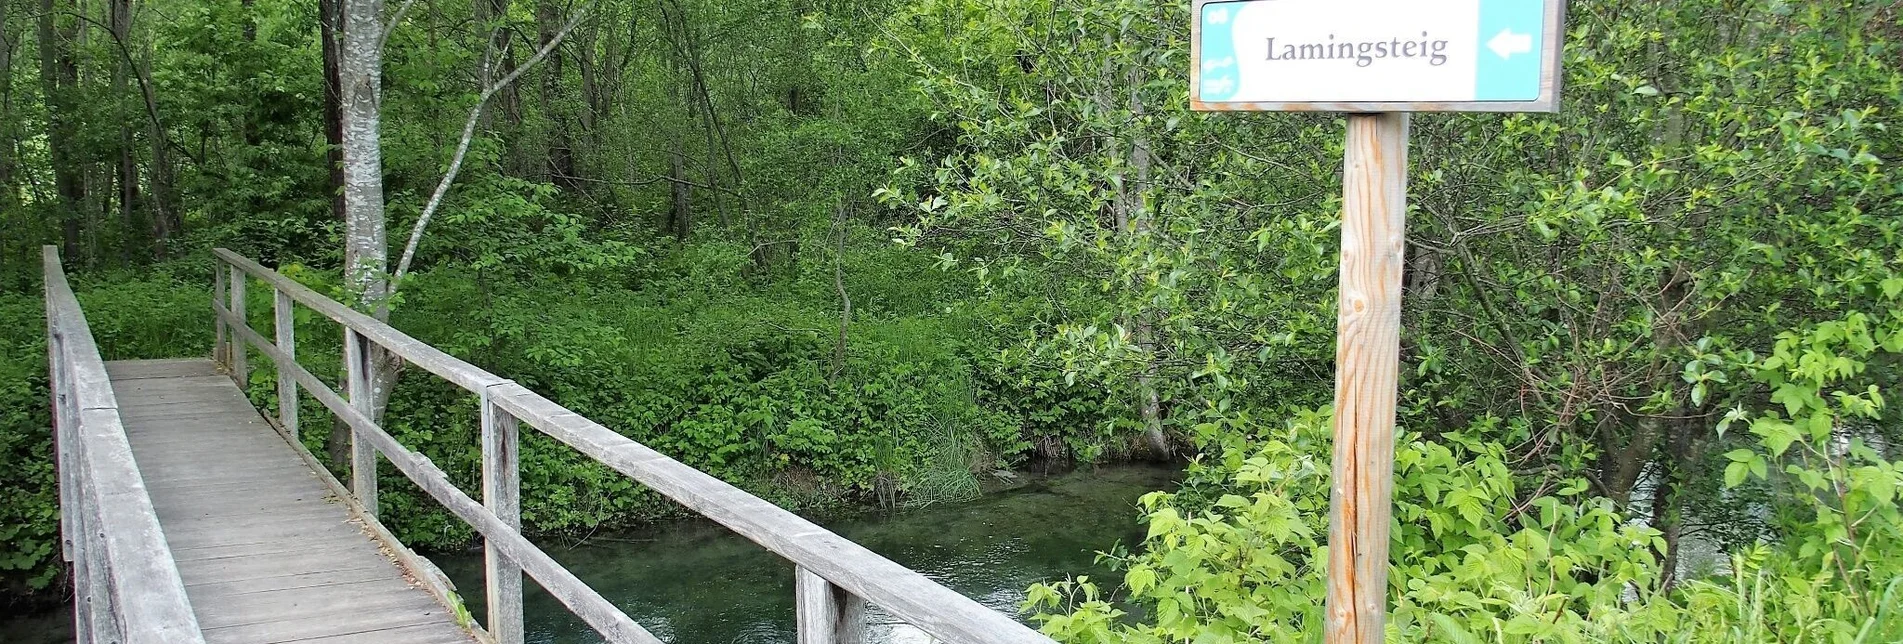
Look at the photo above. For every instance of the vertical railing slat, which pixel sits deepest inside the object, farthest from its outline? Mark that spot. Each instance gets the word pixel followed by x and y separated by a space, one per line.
pixel 62 437
pixel 240 372
pixel 363 456
pixel 218 347
pixel 501 494
pixel 286 335
pixel 826 614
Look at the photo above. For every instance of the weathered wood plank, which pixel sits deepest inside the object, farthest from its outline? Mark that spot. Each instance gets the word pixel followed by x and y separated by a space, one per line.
pixel 404 634
pixel 320 628
pixel 127 561
pixel 286 333
pixel 1367 367
pixel 266 551
pixel 219 345
pixel 360 601
pixel 501 494
pixel 123 370
pixel 240 371
pixel 363 457
pixel 304 579
pixel 297 564
pixel 823 613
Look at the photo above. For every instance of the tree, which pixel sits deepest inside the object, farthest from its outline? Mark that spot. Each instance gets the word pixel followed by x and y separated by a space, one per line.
pixel 59 73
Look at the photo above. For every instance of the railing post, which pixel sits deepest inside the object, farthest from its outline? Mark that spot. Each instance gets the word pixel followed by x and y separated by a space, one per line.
pixel 100 597
pixel 824 613
pixel 501 494
pixel 239 371
pixel 218 353
pixel 363 455
pixel 286 336
pixel 62 439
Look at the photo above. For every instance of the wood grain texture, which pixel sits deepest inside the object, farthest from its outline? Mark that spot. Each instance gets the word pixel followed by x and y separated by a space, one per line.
pixel 824 613
pixel 1367 366
pixel 127 586
pixel 501 493
pixel 357 377
pixel 218 345
pixel 285 330
pixel 240 371
pixel 265 551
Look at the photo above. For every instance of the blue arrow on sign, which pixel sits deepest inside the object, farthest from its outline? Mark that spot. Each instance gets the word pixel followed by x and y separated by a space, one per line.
pixel 1511 46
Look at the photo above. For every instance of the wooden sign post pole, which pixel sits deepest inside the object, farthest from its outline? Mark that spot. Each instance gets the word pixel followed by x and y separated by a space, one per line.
pixel 1362 58
pixel 1367 366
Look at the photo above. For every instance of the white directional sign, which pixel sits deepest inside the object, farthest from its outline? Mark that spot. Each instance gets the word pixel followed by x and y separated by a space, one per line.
pixel 1377 55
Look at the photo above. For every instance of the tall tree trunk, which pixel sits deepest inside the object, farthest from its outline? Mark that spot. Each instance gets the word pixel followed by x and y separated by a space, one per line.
pixel 561 152
pixel 120 22
pixel 700 107
pixel 7 135
pixel 680 212
pixel 366 250
pixel 58 74
pixel 330 19
pixel 167 220
pixel 366 254
pixel 1137 205
pixel 845 300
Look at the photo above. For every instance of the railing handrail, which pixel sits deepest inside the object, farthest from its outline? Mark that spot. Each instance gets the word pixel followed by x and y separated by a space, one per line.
pixel 126 583
pixel 855 571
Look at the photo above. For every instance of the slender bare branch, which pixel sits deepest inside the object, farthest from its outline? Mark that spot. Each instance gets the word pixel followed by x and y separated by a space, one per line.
pixel 469 133
pixel 395 19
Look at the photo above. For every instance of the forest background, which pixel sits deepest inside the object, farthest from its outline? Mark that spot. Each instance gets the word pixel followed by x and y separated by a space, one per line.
pixel 845 253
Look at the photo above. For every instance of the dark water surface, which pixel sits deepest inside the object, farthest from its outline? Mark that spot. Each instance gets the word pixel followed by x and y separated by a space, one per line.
pixel 697 583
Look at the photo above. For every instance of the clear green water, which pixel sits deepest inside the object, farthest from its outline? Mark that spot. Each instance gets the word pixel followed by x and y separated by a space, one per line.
pixel 696 583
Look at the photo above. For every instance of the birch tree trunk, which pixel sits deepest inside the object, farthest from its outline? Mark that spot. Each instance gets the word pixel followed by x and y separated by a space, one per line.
pixel 366 250
pixel 366 253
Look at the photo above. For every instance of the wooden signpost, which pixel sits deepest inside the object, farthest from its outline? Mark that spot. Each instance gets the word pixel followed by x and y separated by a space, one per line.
pixel 1377 61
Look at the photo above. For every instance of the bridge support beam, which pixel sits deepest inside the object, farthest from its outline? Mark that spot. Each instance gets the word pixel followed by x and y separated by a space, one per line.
pixel 501 494
pixel 286 334
pixel 218 322
pixel 240 372
pixel 363 455
pixel 826 614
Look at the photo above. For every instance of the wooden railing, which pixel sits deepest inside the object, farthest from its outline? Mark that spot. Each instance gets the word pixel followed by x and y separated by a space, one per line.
pixel 834 578
pixel 126 586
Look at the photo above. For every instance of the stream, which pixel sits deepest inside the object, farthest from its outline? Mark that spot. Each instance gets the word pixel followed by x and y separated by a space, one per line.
pixel 693 582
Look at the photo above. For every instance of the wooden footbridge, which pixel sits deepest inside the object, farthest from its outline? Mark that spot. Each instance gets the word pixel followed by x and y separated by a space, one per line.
pixel 189 516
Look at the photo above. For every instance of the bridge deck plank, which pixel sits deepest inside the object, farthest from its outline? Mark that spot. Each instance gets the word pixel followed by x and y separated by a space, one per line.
pixel 267 554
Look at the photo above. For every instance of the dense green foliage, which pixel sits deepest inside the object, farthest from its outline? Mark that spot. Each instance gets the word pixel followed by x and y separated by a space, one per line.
pixel 1662 322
